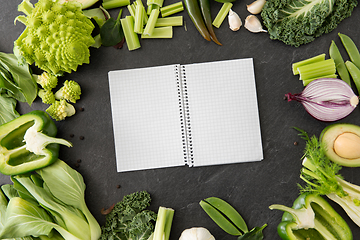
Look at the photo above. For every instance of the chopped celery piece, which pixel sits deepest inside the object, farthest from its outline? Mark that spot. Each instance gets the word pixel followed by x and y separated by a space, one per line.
pixel 160 32
pixel 132 39
pixel 171 9
pixel 149 27
pixel 169 21
pixel 131 9
pixel 317 69
pixel 306 82
pixel 156 2
pixel 163 223
pixel 139 18
pixel 151 7
pixel 110 4
pixel 223 12
pixel 317 58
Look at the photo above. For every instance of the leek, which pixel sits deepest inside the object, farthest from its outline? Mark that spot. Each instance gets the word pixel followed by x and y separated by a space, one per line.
pixel 171 9
pixel 223 12
pixel 169 21
pixel 160 32
pixel 132 39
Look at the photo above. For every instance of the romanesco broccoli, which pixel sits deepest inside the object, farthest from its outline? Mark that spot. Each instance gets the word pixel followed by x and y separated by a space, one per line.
pixel 57 36
pixel 59 110
pixel 46 80
pixel 47 96
pixel 71 91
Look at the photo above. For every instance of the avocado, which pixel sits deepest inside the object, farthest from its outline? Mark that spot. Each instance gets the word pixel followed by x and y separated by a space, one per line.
pixel 342 144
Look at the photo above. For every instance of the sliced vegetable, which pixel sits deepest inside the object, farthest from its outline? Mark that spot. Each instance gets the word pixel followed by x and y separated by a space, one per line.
pixel 28 143
pixel 193 9
pixel 351 49
pixel 327 99
pixel 169 21
pixel 110 4
pixel 317 69
pixel 206 13
pixel 132 39
pixel 221 15
pixel 317 58
pixel 160 32
pixel 163 223
pixel 339 63
pixel 172 9
pixel 150 25
pixel 311 216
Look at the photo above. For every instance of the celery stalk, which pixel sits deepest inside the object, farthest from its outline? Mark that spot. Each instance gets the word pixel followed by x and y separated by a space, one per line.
pixel 223 12
pixel 163 223
pixel 317 69
pixel 131 9
pixel 151 7
pixel 156 2
pixel 317 58
pixel 169 21
pixel 132 39
pixel 149 27
pixel 139 19
pixel 171 9
pixel 160 32
pixel 110 4
pixel 306 82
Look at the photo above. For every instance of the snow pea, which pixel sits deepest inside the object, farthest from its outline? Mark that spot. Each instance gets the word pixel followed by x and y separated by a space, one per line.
pixel 339 63
pixel 193 9
pixel 351 49
pixel 355 74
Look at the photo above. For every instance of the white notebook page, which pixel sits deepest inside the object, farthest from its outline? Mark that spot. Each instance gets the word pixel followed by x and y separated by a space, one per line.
pixel 146 118
pixel 223 112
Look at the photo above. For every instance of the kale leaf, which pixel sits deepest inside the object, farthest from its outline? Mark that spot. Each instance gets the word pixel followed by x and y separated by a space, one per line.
pixel 297 22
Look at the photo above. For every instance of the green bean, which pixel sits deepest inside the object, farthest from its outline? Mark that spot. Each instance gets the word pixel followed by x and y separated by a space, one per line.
pixel 355 74
pixel 220 219
pixel 339 63
pixel 351 49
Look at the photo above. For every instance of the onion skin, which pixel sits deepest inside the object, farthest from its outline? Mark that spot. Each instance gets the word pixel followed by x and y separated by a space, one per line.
pixel 327 99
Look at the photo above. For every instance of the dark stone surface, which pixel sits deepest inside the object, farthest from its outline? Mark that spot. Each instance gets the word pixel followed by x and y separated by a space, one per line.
pixel 249 187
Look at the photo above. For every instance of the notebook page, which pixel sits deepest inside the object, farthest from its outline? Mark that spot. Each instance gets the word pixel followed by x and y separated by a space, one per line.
pixel 223 110
pixel 146 118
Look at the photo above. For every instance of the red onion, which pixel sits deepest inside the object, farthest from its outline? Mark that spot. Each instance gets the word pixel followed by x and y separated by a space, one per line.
pixel 327 99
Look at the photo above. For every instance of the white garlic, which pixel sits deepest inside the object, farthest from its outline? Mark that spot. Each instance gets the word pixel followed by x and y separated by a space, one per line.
pixel 234 20
pixel 196 233
pixel 253 24
pixel 256 6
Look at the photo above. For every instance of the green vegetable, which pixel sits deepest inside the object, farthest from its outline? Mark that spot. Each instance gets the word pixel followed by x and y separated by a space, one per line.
pixel 50 203
pixel 339 63
pixel 132 39
pixel 227 218
pixel 47 96
pixel 160 32
pixel 321 177
pixel 84 3
pixel 150 25
pixel 194 12
pixel 297 22
pixel 46 80
pixel 169 21
pixel 311 217
pixel 221 15
pixel 57 42
pixel 70 91
pixel 129 218
pixel 110 4
pixel 317 58
pixel 171 9
pixel 7 109
pixel 355 73
pixel 60 109
pixel 28 143
pixel 163 224
pixel 317 70
pixel 351 49
pixel 206 13
pixel 111 32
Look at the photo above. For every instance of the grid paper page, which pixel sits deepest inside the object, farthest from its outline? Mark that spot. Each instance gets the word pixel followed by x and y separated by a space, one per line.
pixel 224 114
pixel 146 118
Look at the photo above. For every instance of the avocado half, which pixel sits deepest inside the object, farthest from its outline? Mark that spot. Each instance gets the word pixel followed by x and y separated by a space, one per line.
pixel 331 133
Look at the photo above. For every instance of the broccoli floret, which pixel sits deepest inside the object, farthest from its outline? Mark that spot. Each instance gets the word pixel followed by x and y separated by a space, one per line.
pixel 59 110
pixel 297 22
pixel 47 96
pixel 46 80
pixel 71 91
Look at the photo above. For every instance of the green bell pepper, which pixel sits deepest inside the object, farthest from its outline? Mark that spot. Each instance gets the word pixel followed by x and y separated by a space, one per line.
pixel 312 217
pixel 28 143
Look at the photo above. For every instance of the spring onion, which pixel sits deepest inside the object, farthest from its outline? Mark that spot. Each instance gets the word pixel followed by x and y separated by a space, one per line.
pixel 223 12
pixel 171 9
pixel 327 99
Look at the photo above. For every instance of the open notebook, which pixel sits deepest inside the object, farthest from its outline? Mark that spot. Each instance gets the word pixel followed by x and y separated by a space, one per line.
pixel 195 114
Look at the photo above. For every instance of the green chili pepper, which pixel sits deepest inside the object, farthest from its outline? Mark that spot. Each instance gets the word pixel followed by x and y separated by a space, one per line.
pixel 351 49
pixel 28 143
pixel 355 74
pixel 193 9
pixel 311 217
pixel 339 63
pixel 206 13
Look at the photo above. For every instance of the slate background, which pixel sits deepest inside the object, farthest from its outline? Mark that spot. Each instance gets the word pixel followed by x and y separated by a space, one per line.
pixel 249 187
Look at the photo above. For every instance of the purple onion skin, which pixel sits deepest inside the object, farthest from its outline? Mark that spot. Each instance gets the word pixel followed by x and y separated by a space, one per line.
pixel 326 99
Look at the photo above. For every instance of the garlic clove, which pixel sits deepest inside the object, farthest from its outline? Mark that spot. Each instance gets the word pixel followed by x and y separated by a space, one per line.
pixel 196 233
pixel 256 6
pixel 253 24
pixel 234 21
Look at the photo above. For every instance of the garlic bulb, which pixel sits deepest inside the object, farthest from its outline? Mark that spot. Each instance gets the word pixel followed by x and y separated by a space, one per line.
pixel 253 24
pixel 234 20
pixel 196 233
pixel 256 6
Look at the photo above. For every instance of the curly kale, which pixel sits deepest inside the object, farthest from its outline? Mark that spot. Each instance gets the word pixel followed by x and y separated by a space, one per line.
pixel 129 219
pixel 297 22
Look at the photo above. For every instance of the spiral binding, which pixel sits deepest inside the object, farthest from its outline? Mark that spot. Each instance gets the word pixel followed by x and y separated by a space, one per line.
pixel 187 128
